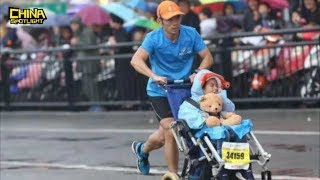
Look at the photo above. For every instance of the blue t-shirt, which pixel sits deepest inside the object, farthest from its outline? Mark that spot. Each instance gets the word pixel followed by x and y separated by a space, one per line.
pixel 171 60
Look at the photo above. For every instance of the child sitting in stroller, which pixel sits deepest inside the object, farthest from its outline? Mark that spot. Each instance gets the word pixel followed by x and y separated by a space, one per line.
pixel 208 82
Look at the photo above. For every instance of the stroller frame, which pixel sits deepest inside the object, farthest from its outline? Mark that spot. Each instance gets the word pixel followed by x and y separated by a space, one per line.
pixel 181 132
pixel 258 154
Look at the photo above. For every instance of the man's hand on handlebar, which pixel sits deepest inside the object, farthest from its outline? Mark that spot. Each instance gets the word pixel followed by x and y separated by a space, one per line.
pixel 159 79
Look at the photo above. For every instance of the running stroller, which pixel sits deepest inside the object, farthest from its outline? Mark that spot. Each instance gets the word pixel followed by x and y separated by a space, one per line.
pixel 201 151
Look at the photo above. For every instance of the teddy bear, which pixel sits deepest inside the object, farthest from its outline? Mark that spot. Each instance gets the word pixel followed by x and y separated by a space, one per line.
pixel 211 104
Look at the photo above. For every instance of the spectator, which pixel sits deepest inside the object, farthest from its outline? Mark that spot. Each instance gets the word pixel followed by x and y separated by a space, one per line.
pixel 66 35
pixel 208 25
pixel 138 34
pixel 62 35
pixel 103 32
pixel 228 10
pixel 44 38
pixel 56 35
pixel 8 35
pixel 229 22
pixel 309 13
pixel 267 20
pixel 190 18
pixel 308 16
pixel 76 27
pixel 294 5
pixel 84 36
pixel 123 69
pixel 251 15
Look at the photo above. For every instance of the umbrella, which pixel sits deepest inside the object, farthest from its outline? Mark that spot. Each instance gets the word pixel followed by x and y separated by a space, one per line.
pixel 276 4
pixel 47 11
pixel 17 25
pixel 218 5
pixel 138 4
pixel 121 10
pixel 152 7
pixel 55 20
pixel 4 9
pixel 215 1
pixel 94 14
pixel 27 41
pixel 142 22
pixel 75 9
pixel 80 1
pixel 147 23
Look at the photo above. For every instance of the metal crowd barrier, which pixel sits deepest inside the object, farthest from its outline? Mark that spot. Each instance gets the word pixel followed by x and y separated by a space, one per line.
pixel 278 71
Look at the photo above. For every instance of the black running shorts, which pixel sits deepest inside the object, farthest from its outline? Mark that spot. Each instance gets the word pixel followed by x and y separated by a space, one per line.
pixel 161 107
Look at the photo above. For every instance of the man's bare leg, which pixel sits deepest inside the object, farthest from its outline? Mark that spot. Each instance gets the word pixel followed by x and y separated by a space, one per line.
pixel 154 141
pixel 170 147
pixel 142 149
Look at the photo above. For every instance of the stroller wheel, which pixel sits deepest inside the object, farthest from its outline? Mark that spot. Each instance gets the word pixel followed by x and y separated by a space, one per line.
pixel 263 175
pixel 266 175
pixel 170 176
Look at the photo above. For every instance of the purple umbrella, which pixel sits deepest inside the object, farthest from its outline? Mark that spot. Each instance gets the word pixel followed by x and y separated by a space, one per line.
pixel 94 14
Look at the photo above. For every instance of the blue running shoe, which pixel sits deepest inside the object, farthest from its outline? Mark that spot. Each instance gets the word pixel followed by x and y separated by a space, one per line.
pixel 143 162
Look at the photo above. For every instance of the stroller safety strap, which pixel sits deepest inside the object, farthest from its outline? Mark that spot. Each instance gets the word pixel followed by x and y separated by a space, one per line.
pixel 193 102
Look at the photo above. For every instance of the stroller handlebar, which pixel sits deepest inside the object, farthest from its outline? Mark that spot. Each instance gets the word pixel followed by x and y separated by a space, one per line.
pixel 178 81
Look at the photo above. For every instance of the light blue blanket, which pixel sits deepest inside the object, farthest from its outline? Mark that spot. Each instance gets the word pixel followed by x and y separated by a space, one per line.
pixel 219 132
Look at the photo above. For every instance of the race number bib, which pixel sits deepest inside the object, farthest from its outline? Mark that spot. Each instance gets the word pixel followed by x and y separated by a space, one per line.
pixel 236 155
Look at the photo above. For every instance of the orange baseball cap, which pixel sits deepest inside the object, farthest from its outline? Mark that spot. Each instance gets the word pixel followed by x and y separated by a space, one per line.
pixel 167 9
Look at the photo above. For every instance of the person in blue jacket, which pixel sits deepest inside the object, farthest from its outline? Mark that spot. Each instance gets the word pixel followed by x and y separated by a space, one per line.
pixel 194 115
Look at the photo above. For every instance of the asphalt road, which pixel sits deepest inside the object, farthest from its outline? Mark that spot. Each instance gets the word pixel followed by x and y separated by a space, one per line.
pixel 82 146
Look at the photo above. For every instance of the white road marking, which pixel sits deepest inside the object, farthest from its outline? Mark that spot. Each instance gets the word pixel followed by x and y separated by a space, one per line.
pixel 142 131
pixel 116 169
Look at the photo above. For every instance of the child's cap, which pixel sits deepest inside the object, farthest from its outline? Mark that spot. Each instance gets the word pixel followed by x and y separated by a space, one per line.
pixel 222 83
pixel 168 9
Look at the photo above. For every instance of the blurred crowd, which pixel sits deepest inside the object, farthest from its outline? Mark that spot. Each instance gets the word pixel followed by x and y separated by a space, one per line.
pixel 253 15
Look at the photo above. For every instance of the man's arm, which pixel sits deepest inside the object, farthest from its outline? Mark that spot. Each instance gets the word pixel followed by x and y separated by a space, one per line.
pixel 206 63
pixel 139 63
pixel 207 59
